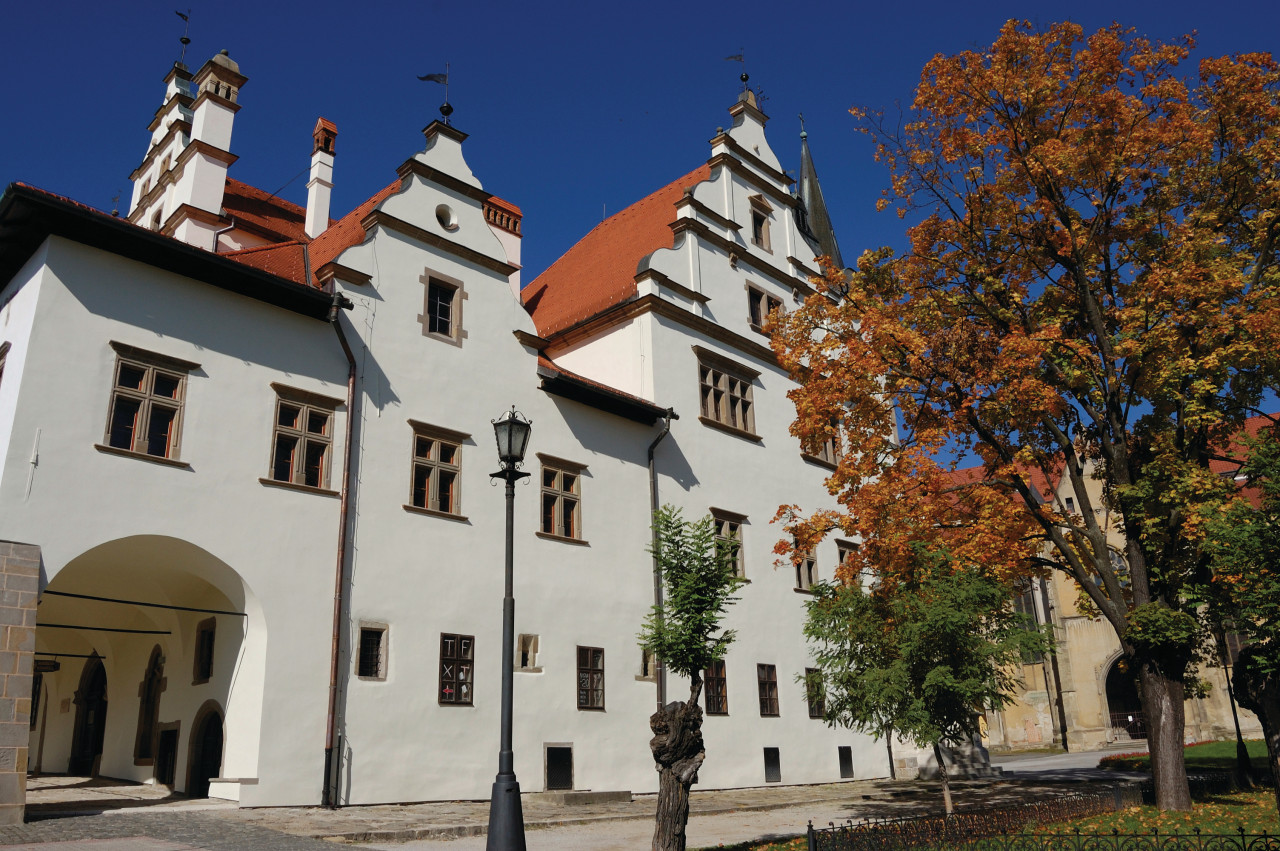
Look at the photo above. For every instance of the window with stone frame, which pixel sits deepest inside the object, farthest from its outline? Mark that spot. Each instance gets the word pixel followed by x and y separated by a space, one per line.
pixel 371 660
pixel 728 528
pixel 716 689
pixel 648 666
pixel 202 668
pixel 591 678
pixel 767 682
pixel 457 667
pixel 436 471
pixel 302 439
pixel 527 654
pixel 815 693
pixel 806 565
pixel 147 398
pixel 760 305
pixel 725 392
pixel 844 557
pixel 761 212
pixel 1024 607
pixel 561 499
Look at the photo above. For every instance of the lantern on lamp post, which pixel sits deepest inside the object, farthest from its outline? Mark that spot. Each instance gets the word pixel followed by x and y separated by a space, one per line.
pixel 506 816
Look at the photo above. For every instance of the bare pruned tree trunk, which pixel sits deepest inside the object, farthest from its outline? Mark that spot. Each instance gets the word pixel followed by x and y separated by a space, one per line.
pixel 1162 702
pixel 678 751
pixel 946 781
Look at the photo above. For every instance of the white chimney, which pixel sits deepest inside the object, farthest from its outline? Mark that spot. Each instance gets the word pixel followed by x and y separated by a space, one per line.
pixel 320 187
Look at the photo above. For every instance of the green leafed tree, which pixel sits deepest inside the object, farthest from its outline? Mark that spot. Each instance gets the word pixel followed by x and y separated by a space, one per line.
pixel 698 580
pixel 921 657
pixel 1244 547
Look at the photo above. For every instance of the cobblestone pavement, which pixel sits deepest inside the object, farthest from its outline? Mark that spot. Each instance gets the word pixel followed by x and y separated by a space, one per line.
pixel 147 818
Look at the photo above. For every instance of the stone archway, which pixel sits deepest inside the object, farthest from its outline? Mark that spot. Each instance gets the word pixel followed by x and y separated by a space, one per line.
pixel 143 605
pixel 1124 705
pixel 204 754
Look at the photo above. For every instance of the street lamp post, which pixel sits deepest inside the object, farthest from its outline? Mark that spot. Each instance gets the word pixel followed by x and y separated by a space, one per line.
pixel 506 818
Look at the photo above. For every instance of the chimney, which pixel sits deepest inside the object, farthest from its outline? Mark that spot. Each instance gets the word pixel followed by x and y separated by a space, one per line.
pixel 320 187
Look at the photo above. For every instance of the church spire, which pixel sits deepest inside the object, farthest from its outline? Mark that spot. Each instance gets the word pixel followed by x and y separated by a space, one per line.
pixel 816 222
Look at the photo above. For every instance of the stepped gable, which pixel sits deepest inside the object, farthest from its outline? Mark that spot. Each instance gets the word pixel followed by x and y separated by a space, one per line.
pixel 600 270
pixel 258 211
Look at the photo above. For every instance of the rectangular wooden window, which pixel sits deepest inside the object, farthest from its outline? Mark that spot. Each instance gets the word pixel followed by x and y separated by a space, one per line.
pixel 591 678
pixel 436 474
pixel 729 538
pixel 767 680
pixel 760 229
pixel 146 408
pixel 726 398
pixel 372 660
pixel 457 661
pixel 815 692
pixel 844 555
pixel 759 307
pixel 806 571
pixel 440 312
pixel 203 669
pixel 717 690
pixel 561 502
pixel 302 438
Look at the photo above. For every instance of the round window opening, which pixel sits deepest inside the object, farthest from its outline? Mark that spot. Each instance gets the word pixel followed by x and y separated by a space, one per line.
pixel 446 218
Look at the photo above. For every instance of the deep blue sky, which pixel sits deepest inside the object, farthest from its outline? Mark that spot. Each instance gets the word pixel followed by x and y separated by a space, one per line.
pixel 573 108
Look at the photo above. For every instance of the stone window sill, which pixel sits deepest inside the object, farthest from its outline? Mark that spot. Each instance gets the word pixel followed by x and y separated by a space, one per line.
pixel 562 539
pixel 293 486
pixel 141 456
pixel 433 512
pixel 734 430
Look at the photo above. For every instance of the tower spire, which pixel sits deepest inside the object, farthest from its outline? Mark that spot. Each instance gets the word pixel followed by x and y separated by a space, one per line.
pixel 816 223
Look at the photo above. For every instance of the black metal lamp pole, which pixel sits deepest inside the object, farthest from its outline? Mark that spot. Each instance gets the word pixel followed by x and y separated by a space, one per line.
pixel 506 817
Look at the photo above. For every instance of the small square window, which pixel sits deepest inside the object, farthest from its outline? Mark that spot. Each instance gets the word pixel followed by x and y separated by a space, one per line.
pixel 442 311
pixel 717 691
pixel 457 669
pixel 767 680
pixel 648 666
pixel 527 653
pixel 371 663
pixel 591 678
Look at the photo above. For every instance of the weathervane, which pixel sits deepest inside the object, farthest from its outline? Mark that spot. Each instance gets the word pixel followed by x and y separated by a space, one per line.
pixel 445 108
pixel 738 57
pixel 803 135
pixel 186 26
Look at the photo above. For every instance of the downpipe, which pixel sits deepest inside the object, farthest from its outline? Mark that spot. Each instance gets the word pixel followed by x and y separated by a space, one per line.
pixel 329 796
pixel 660 669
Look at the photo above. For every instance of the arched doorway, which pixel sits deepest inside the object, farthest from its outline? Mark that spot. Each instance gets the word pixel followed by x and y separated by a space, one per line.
pixel 91 717
pixel 1127 720
pixel 205 751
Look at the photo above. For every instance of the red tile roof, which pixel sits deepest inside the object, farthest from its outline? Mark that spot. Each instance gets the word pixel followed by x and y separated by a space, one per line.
pixel 284 259
pixel 600 270
pixel 274 216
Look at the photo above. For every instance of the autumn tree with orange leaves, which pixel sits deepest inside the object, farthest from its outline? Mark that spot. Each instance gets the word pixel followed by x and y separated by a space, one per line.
pixel 1090 289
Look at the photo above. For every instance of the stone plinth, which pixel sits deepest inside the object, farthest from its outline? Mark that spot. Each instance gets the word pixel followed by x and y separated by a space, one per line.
pixel 19 583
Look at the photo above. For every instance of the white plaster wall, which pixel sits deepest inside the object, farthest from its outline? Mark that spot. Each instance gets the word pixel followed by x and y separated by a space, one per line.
pixel 17 313
pixel 281 542
pixel 616 357
pixel 425 575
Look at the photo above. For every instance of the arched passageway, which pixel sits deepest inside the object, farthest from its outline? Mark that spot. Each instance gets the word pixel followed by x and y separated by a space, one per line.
pixel 1123 703
pixel 175 631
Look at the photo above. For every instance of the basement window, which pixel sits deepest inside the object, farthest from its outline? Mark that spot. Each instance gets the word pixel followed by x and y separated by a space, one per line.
pixel 371 663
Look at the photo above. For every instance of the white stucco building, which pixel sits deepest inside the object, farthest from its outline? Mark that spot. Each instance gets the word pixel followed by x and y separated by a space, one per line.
pixel 253 446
